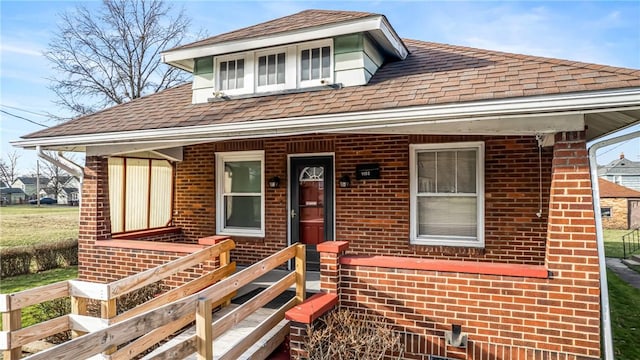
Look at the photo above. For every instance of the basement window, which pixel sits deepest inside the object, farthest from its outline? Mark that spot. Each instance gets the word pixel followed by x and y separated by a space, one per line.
pixel 605 212
pixel 140 193
pixel 240 193
pixel 447 194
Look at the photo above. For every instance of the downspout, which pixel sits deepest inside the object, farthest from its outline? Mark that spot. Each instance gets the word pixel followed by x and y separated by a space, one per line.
pixel 66 164
pixel 604 289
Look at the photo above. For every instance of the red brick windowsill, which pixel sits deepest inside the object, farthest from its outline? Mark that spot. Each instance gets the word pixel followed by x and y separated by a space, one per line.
pixel 469 267
pixel 312 308
pixel 127 241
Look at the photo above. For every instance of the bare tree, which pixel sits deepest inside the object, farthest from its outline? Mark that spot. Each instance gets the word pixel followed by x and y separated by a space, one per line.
pixel 9 168
pixel 56 176
pixel 113 56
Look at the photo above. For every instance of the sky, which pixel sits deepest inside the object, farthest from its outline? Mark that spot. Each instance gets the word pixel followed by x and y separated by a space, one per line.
pixel 602 32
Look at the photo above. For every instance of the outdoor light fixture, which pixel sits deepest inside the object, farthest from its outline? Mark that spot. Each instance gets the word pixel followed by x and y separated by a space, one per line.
pixel 345 181
pixel 274 182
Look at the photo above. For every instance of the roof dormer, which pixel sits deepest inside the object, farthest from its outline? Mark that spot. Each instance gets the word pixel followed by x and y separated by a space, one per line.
pixel 302 51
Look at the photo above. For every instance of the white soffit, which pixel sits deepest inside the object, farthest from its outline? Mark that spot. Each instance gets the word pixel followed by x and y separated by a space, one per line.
pixel 377 26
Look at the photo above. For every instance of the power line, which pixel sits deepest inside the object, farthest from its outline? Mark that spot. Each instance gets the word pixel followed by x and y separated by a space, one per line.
pixel 25 110
pixel 615 147
pixel 23 118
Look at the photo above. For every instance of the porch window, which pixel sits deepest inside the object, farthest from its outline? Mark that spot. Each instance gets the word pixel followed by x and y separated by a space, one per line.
pixel 240 193
pixel 447 200
pixel 140 193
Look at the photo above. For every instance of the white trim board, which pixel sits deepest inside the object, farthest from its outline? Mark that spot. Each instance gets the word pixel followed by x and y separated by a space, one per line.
pixel 503 110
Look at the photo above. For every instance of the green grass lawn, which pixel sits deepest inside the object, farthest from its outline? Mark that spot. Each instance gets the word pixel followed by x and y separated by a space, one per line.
pixel 29 224
pixel 624 301
pixel 28 281
pixel 613 242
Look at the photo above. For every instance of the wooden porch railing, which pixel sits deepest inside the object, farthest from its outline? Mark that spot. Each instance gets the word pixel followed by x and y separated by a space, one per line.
pixel 155 320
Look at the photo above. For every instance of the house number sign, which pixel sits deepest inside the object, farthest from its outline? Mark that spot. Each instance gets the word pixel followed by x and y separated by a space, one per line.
pixel 367 171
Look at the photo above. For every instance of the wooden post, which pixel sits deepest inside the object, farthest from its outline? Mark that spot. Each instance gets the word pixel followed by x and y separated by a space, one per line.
pixel 12 321
pixel 108 310
pixel 301 267
pixel 78 307
pixel 204 337
pixel 225 259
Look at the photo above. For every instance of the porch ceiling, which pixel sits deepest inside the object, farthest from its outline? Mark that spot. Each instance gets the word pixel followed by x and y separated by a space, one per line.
pixel 603 123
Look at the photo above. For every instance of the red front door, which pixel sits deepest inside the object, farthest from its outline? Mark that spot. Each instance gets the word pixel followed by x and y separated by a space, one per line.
pixel 312 206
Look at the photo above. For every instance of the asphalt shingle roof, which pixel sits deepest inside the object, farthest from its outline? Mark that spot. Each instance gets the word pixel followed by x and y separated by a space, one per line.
pixel 611 190
pixel 303 20
pixel 432 74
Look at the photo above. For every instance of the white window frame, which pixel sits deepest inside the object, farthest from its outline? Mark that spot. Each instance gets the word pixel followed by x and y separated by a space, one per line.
pixel 221 158
pixel 248 73
pixel 289 69
pixel 455 241
pixel 312 45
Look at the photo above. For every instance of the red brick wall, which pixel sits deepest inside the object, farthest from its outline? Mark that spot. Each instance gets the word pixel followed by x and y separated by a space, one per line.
pixel 505 317
pixel 374 214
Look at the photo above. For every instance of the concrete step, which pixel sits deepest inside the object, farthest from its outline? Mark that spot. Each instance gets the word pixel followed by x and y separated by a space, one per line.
pixel 634 261
pixel 636 257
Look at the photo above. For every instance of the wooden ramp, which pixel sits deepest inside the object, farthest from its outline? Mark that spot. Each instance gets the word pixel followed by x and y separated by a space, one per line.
pixel 251 330
pixel 226 342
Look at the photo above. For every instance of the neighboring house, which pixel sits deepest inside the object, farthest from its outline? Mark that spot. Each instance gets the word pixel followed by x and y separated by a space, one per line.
pixel 68 190
pixel 10 196
pixel 458 177
pixel 28 184
pixel 623 172
pixel 619 206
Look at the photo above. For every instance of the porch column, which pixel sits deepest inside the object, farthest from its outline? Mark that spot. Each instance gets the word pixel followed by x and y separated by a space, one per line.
pixel 95 221
pixel 571 253
pixel 330 254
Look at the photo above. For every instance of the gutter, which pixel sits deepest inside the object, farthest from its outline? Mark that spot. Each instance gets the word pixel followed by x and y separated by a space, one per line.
pixel 604 289
pixel 66 164
pixel 582 103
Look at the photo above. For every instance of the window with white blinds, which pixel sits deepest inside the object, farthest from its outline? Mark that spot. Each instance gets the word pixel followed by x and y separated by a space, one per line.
pixel 447 200
pixel 140 193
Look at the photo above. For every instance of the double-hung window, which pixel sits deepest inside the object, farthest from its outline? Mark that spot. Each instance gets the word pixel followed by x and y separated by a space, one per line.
pixel 240 193
pixel 447 200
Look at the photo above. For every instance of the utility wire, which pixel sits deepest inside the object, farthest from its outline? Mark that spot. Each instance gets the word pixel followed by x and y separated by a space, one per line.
pixel 25 110
pixel 615 147
pixel 23 118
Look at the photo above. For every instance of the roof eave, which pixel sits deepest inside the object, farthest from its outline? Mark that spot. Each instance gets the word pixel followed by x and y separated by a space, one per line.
pixel 377 26
pixel 566 105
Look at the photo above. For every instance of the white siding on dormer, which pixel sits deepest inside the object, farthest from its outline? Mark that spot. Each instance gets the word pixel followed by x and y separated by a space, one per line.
pixel 356 60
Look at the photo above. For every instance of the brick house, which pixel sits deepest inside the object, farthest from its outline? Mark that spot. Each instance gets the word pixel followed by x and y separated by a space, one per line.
pixel 456 180
pixel 619 205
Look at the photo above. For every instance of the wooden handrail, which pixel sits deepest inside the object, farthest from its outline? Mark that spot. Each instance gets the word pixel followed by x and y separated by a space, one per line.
pixel 154 321
pixel 13 336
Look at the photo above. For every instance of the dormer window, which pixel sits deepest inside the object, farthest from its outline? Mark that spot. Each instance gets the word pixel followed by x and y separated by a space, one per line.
pixel 271 71
pixel 231 74
pixel 315 63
